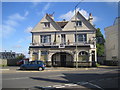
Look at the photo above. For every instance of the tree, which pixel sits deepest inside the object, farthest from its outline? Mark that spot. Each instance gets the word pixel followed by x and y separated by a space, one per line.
pixel 100 43
pixel 20 57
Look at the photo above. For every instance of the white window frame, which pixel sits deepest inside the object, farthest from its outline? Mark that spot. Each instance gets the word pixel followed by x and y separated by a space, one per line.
pixel 45 38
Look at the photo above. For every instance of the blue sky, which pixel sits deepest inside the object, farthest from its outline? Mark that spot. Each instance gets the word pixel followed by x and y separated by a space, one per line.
pixel 20 17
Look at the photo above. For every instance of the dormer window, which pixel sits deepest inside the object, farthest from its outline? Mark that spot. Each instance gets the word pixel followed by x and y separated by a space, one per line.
pixel 47 24
pixel 78 23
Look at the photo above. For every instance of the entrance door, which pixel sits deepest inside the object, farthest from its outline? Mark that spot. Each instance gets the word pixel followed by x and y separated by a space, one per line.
pixel 63 60
pixel 93 59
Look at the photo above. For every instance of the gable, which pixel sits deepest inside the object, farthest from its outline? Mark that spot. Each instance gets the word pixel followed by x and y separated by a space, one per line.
pixel 86 25
pixel 41 27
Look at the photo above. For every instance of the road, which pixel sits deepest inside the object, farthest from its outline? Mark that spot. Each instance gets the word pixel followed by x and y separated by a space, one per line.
pixel 89 78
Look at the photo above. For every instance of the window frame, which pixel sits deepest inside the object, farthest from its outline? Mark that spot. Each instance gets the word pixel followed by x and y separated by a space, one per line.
pixel 45 38
pixel 46 24
pixel 83 38
pixel 78 23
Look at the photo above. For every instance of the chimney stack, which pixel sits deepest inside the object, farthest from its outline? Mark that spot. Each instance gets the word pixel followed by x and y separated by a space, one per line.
pixel 90 19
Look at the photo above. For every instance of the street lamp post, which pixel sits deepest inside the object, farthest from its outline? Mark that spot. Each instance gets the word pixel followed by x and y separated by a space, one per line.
pixel 76 34
pixel 76 37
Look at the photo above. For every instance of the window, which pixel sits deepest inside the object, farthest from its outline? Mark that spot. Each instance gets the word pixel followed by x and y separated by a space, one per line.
pixel 81 37
pixel 32 62
pixel 44 52
pixel 63 38
pixel 83 56
pixel 45 38
pixel 47 24
pixel 39 62
pixel 83 53
pixel 78 23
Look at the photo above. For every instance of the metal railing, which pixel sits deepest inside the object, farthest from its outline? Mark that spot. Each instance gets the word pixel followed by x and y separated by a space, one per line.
pixel 58 43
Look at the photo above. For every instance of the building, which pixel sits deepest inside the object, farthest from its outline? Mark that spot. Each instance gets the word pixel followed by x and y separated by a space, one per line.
pixel 64 43
pixel 9 58
pixel 112 43
pixel 9 55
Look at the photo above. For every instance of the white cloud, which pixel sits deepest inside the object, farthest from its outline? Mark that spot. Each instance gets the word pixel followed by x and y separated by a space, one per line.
pixel 35 4
pixel 28 29
pixel 11 22
pixel 45 8
pixel 9 25
pixel 17 46
pixel 6 30
pixel 28 38
pixel 26 13
pixel 17 17
pixel 70 14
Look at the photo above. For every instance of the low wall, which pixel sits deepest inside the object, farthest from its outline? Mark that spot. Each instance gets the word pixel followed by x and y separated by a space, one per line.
pixel 8 62
pixel 3 62
pixel 112 62
pixel 100 60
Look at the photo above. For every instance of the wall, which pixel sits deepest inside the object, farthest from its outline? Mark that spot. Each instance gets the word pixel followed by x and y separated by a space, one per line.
pixel 111 42
pixel 8 62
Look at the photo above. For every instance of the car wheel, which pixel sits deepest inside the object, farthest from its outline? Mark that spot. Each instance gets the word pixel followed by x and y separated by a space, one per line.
pixel 40 69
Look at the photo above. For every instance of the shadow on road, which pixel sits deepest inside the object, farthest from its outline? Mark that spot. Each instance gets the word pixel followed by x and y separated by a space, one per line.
pixel 91 81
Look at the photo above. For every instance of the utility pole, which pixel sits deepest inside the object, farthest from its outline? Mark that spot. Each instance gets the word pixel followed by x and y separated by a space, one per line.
pixel 76 34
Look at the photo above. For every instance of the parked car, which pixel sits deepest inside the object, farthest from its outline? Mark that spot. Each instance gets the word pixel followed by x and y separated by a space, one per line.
pixel 20 62
pixel 23 61
pixel 33 65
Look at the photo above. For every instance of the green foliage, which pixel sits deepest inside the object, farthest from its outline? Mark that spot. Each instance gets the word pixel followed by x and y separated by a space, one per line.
pixel 100 45
pixel 97 65
pixel 20 57
pixel 100 49
pixel 100 37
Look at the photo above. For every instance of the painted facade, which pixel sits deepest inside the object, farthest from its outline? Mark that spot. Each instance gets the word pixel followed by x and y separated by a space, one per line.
pixel 64 43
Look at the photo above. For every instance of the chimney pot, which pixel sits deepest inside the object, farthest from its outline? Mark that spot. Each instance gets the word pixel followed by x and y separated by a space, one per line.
pixel 64 20
pixel 90 14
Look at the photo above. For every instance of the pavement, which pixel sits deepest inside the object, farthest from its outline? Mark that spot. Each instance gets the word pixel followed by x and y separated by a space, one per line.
pixel 11 69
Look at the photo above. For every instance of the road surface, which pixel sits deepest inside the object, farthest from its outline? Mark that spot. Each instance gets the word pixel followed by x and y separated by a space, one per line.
pixel 101 78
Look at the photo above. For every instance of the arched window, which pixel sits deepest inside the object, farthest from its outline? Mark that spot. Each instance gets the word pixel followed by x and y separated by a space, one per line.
pixel 83 56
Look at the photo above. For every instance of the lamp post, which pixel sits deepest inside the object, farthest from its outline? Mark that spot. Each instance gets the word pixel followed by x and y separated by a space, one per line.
pixel 76 35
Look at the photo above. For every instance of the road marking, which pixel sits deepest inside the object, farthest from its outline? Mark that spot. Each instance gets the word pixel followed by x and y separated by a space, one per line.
pixel 71 84
pixel 15 78
pixel 56 76
pixel 86 68
pixel 82 83
pixel 58 86
pixel 49 86
pixel 96 86
pixel 4 69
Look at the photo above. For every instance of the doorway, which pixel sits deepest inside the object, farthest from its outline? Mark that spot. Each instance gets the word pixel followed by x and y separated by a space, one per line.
pixel 62 59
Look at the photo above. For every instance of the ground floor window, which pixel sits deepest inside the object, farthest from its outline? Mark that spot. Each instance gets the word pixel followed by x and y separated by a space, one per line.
pixel 44 55
pixel 83 56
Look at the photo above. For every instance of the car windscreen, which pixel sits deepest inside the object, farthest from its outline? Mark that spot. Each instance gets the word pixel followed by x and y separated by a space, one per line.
pixel 39 62
pixel 32 62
